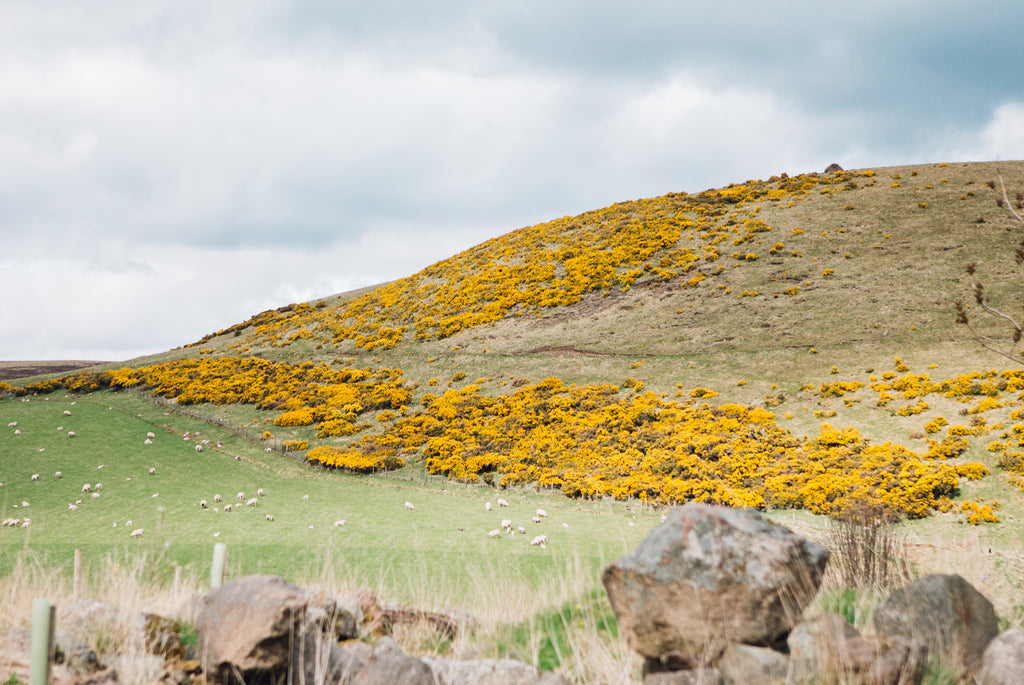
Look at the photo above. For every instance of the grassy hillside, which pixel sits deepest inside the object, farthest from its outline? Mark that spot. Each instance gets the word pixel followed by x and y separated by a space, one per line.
pixel 700 344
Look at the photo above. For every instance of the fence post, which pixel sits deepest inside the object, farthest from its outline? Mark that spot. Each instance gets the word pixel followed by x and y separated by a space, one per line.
pixel 42 641
pixel 217 569
pixel 77 578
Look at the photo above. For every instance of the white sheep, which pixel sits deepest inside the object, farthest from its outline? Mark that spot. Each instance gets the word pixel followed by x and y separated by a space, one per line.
pixel 217 534
pixel 502 502
pixel 24 523
pixel 67 412
pixel 86 488
pixel 98 487
pixel 71 434
pixel 506 525
pixel 494 533
pixel 57 475
pixel 95 495
pixel 216 498
pixel 487 506
pixel 128 523
pixel 12 424
pixel 24 504
pixel 151 435
pixel 340 522
pixel 409 505
pixel 152 472
pixel 535 519
pixel 240 497
pixel 17 431
pixel 202 503
pixel 305 498
pixel 522 531
pixel 72 507
pixel 147 441
pixel 252 502
pixel 540 540
pixel 270 517
pixel 227 507
pixel 137 533
pixel 541 513
pixel 259 492
pixel 199 448
pixel 35 476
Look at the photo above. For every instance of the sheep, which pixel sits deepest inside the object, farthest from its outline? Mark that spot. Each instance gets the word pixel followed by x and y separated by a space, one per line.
pixel 128 523
pixel 217 534
pixel 494 533
pixel 72 507
pixel 98 487
pixel 202 503
pixel 67 412
pixel 35 476
pixel 137 533
pixel 24 504
pixel 152 472
pixel 305 498
pixel 340 522
pixel 155 495
pixel 57 475
pixel 17 431
pixel 541 513
pixel 12 424
pixel 541 540
pixel 240 496
pixel 71 434
pixel 409 505
pixel 252 502
pixel 216 510
pixel 502 502
pixel 24 523
pixel 506 525
pixel 12 522
pixel 259 492
pixel 199 448
pixel 95 495
pixel 151 435
pixel 487 507
pixel 216 498
pixel 86 488
pixel 147 441
pixel 227 507
pixel 522 531
pixel 270 517
pixel 535 519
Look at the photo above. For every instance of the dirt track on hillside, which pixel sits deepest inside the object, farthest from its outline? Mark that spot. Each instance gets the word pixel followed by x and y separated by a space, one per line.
pixel 26 369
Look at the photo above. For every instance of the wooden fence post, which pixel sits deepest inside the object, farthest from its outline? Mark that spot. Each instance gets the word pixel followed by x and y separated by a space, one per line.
pixel 217 569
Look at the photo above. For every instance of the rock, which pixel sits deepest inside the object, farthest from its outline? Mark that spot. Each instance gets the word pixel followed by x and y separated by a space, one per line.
pixel 339 617
pixel 954 620
pixel 709 576
pixel 697 676
pixel 828 649
pixel 1003 660
pixel 163 636
pixel 260 629
pixel 389 664
pixel 748 664
pixel 486 672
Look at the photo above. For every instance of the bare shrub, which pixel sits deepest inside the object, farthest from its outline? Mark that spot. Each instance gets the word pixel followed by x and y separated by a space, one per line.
pixel 867 551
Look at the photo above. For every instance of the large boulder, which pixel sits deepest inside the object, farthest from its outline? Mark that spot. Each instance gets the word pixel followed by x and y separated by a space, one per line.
pixel 389 665
pixel 945 612
pixel 260 628
pixel 1003 660
pixel 488 672
pixel 709 576
pixel 748 664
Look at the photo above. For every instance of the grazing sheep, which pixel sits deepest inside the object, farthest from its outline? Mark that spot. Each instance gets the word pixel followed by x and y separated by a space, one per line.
pixel 240 497
pixel 535 519
pixel 305 498
pixel 522 531
pixel 340 522
pixel 86 488
pixel 95 495
pixel 73 507
pixel 216 498
pixel 252 502
pixel 17 431
pixel 151 435
pixel 227 507
pixel 259 492
pixel 24 523
pixel 98 487
pixel 202 503
pixel 147 441
pixel 502 502
pixel 35 476
pixel 152 472
pixel 137 533
pixel 71 434
pixel 199 448
pixel 12 424
pixel 541 513
pixel 487 507
pixel 24 504
pixel 494 533
pixel 67 412
pixel 128 523
pixel 409 505
pixel 506 525
pixel 216 510
pixel 541 540
pixel 12 522
pixel 57 475
pixel 270 517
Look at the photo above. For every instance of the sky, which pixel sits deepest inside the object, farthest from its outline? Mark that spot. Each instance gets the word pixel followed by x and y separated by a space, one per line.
pixel 170 168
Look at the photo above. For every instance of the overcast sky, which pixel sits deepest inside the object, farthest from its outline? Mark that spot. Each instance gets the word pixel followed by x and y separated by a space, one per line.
pixel 168 169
